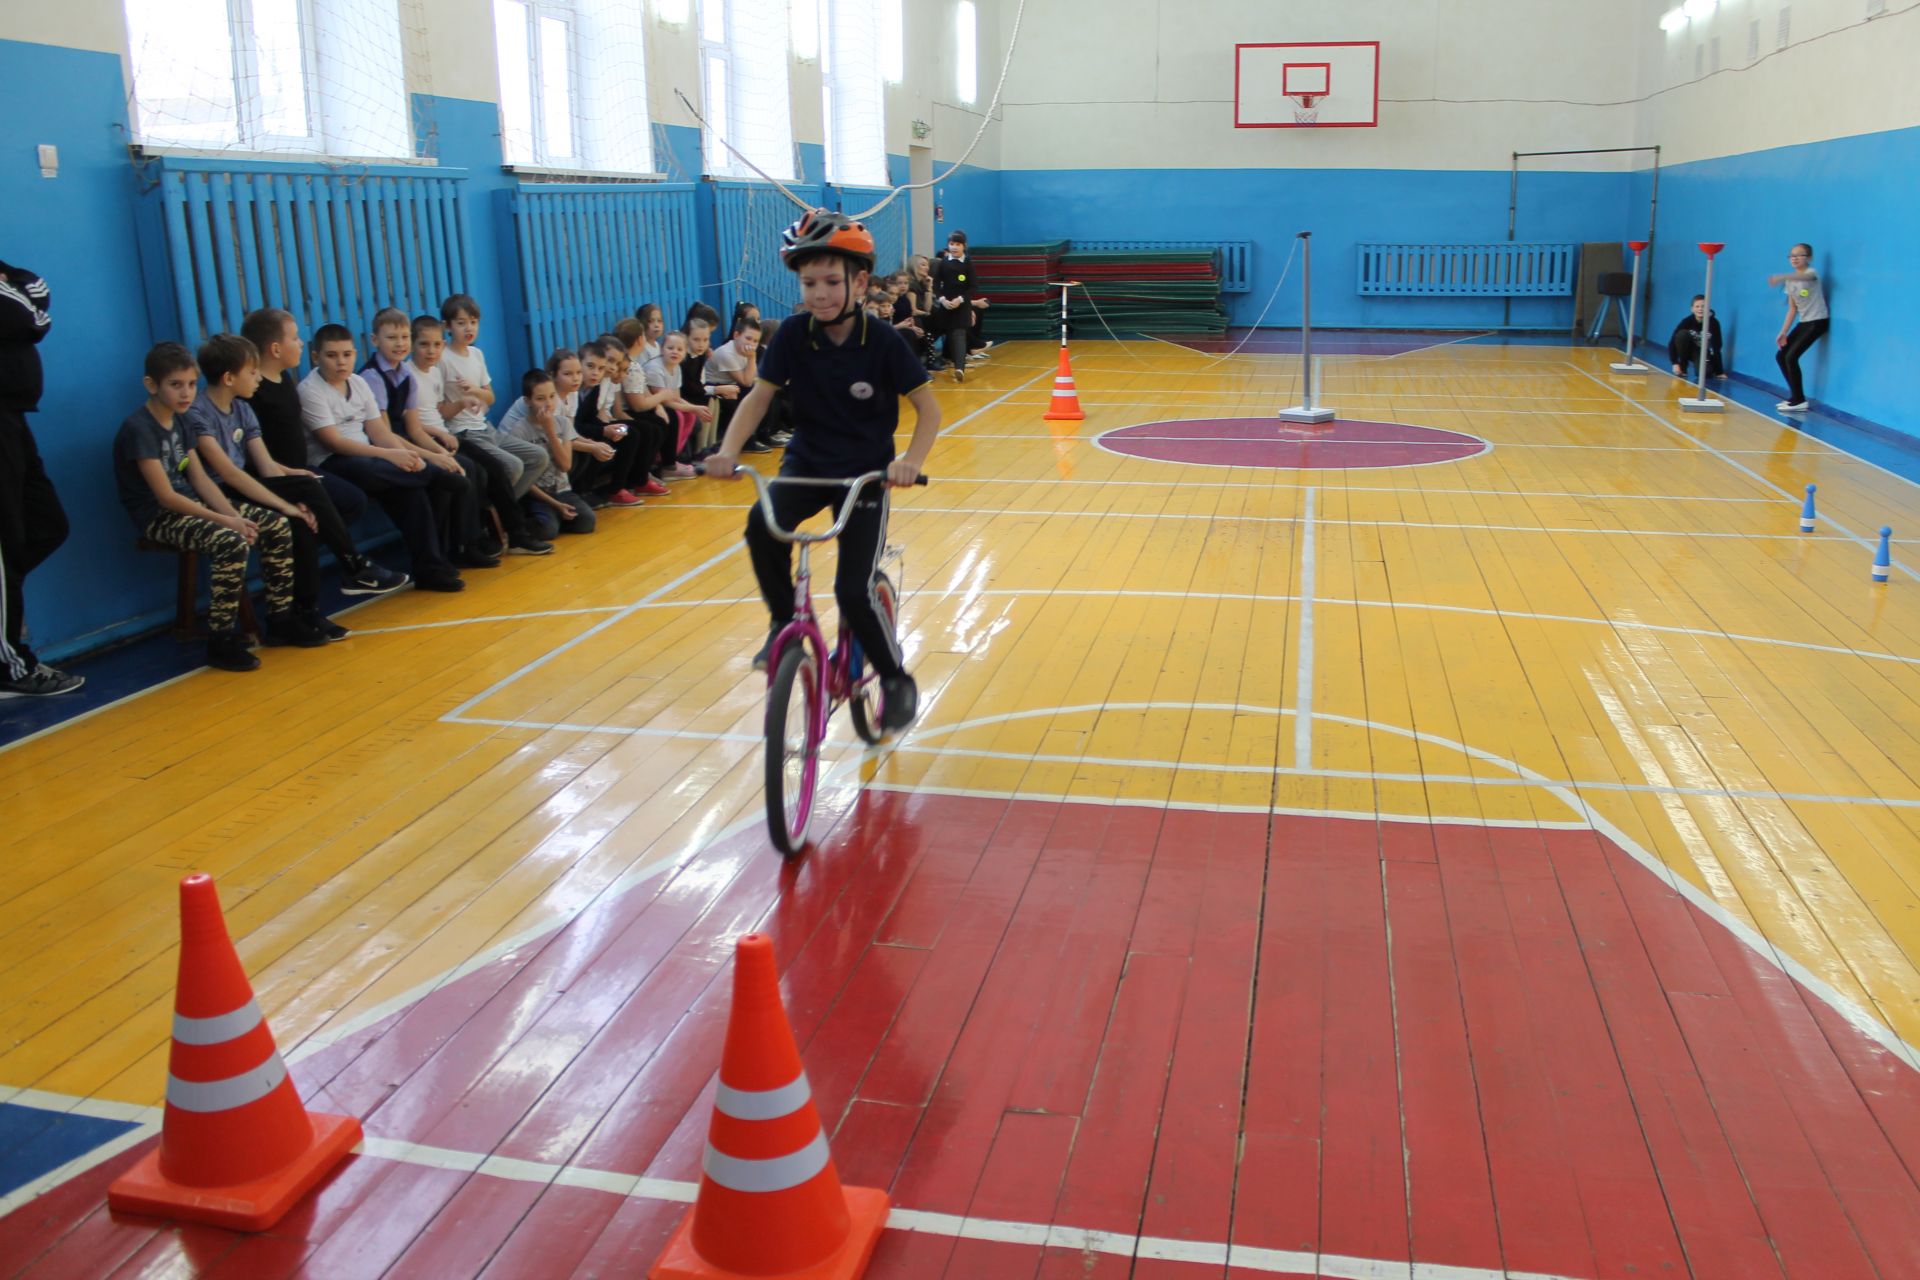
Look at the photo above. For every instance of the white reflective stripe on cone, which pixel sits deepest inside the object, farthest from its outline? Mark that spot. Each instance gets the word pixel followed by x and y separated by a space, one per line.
pixel 225 1095
pixel 218 1029
pixel 763 1104
pixel 781 1173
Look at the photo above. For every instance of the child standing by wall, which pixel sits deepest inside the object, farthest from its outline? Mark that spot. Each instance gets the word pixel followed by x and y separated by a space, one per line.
pixel 1806 322
pixel 172 501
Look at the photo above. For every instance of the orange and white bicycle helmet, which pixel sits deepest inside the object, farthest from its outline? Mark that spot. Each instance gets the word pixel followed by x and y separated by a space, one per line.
pixel 821 231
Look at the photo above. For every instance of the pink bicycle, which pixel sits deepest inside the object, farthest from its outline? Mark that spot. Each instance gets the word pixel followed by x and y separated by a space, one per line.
pixel 805 682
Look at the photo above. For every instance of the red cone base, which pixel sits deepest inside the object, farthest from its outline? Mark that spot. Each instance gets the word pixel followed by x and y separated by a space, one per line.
pixel 865 1206
pixel 247 1206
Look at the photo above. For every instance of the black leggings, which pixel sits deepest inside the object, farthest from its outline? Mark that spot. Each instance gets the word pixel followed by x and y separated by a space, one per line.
pixel 861 543
pixel 1804 335
pixel 497 481
pixel 32 526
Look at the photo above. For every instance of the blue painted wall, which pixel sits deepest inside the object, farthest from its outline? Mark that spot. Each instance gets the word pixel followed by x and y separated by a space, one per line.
pixel 78 231
pixel 1857 200
pixel 1342 207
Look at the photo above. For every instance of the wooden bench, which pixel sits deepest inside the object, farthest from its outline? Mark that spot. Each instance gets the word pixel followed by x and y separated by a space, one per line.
pixel 186 623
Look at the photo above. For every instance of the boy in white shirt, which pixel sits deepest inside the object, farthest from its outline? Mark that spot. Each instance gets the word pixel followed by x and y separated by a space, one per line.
pixel 469 394
pixel 348 436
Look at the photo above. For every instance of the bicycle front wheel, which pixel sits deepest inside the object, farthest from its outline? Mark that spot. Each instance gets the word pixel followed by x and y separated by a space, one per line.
pixel 793 751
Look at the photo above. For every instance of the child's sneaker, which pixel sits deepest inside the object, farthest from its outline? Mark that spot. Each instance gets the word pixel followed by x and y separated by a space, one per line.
pixel 325 626
pixel 899 701
pixel 291 629
pixel 1793 406
pixel 369 579
pixel 41 682
pixel 625 498
pixel 653 488
pixel 229 653
pixel 761 658
pixel 526 544
pixel 680 471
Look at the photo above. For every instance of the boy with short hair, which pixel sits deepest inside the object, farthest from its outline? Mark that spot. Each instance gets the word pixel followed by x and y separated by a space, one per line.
pixel 173 502
pixel 227 437
pixel 729 374
pixel 469 394
pixel 844 375
pixel 1683 348
pixel 348 437
pixel 457 485
pixel 543 414
pixel 280 460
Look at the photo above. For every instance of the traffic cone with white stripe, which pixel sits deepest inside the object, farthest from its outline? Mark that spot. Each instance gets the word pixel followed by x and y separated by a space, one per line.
pixel 770 1201
pixel 237 1148
pixel 1066 397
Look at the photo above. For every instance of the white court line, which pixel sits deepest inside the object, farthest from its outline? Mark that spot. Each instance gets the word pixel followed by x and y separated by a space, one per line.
pixel 1410 490
pixel 488 617
pixel 919 1221
pixel 1303 675
pixel 534 665
pixel 957 423
pixel 1725 455
pixel 1617 624
pixel 1233 518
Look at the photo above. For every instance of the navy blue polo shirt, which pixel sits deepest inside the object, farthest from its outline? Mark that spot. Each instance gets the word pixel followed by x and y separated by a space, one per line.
pixel 845 398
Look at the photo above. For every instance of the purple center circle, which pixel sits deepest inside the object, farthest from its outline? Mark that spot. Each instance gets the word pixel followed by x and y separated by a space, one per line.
pixel 1345 444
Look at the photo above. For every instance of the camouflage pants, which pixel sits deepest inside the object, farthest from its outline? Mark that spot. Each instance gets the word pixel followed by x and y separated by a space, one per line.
pixel 226 553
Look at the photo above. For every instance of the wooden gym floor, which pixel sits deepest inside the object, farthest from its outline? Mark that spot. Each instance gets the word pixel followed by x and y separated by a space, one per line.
pixel 1505 863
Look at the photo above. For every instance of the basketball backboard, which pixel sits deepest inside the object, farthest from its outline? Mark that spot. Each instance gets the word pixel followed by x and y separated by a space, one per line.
pixel 1311 85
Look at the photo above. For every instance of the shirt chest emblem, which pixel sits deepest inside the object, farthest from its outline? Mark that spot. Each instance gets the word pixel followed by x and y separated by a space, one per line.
pixel 861 390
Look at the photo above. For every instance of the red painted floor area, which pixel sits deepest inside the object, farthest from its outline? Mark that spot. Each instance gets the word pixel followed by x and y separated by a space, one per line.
pixel 1343 444
pixel 1484 1047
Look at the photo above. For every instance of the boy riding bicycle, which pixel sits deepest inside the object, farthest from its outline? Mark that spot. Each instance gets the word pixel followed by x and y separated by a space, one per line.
pixel 843 375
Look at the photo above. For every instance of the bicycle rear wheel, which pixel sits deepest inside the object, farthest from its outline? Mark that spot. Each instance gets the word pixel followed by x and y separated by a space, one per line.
pixel 793 753
pixel 867 700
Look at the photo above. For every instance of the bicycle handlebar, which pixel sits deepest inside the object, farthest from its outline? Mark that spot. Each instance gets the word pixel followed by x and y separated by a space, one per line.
pixel 853 485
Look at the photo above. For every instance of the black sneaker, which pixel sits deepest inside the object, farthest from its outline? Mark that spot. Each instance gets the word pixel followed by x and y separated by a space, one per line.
pixel 489 546
pixel 598 499
pixel 756 445
pixel 766 650
pixel 291 629
pixel 447 581
pixel 471 558
pixel 41 682
pixel 230 653
pixel 525 544
pixel 899 701
pixel 325 626
pixel 780 439
pixel 369 579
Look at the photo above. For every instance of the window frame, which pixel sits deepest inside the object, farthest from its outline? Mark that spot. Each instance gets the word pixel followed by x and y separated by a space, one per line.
pixel 567 13
pixel 715 159
pixel 250 135
pixel 830 79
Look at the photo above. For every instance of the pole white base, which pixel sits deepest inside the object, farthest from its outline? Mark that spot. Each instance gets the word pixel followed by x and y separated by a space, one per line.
pixel 1632 366
pixel 1706 404
pixel 1300 413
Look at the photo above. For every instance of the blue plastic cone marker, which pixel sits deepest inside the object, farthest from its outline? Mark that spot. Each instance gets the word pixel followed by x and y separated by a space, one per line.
pixel 1883 558
pixel 1806 513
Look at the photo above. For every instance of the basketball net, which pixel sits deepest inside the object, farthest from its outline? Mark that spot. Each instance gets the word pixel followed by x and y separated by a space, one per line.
pixel 1306 107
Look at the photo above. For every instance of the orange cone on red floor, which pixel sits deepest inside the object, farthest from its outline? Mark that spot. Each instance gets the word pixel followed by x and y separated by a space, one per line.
pixel 237 1148
pixel 1066 398
pixel 770 1201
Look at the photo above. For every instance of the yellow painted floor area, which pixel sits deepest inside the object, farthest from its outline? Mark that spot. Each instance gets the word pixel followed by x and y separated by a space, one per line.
pixel 1609 619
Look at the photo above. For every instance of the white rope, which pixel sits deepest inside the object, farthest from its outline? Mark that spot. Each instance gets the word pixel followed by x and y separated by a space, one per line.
pixel 1013 42
pixel 1000 85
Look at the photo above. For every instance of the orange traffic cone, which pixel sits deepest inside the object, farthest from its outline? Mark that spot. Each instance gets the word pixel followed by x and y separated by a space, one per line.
pixel 770 1201
pixel 1066 399
pixel 236 1147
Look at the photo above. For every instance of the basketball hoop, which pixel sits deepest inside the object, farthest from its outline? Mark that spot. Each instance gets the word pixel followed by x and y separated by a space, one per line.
pixel 1306 107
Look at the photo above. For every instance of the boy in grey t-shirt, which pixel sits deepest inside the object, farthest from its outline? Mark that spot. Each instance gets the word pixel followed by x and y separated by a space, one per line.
pixel 1806 322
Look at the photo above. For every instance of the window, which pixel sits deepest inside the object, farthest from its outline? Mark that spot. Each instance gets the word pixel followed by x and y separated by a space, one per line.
pixel 573 88
pixel 310 76
pixel 892 37
pixel 966 52
pixel 743 74
pixel 804 17
pixel 854 104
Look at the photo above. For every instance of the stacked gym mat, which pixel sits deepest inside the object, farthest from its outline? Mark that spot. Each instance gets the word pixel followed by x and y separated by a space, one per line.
pixel 1133 290
pixel 1014 277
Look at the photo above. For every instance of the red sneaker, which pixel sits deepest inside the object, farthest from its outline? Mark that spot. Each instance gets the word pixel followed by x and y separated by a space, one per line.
pixel 654 488
pixel 626 498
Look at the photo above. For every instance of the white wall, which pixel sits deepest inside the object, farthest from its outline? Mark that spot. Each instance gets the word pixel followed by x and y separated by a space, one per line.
pixel 1841 74
pixel 1143 84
